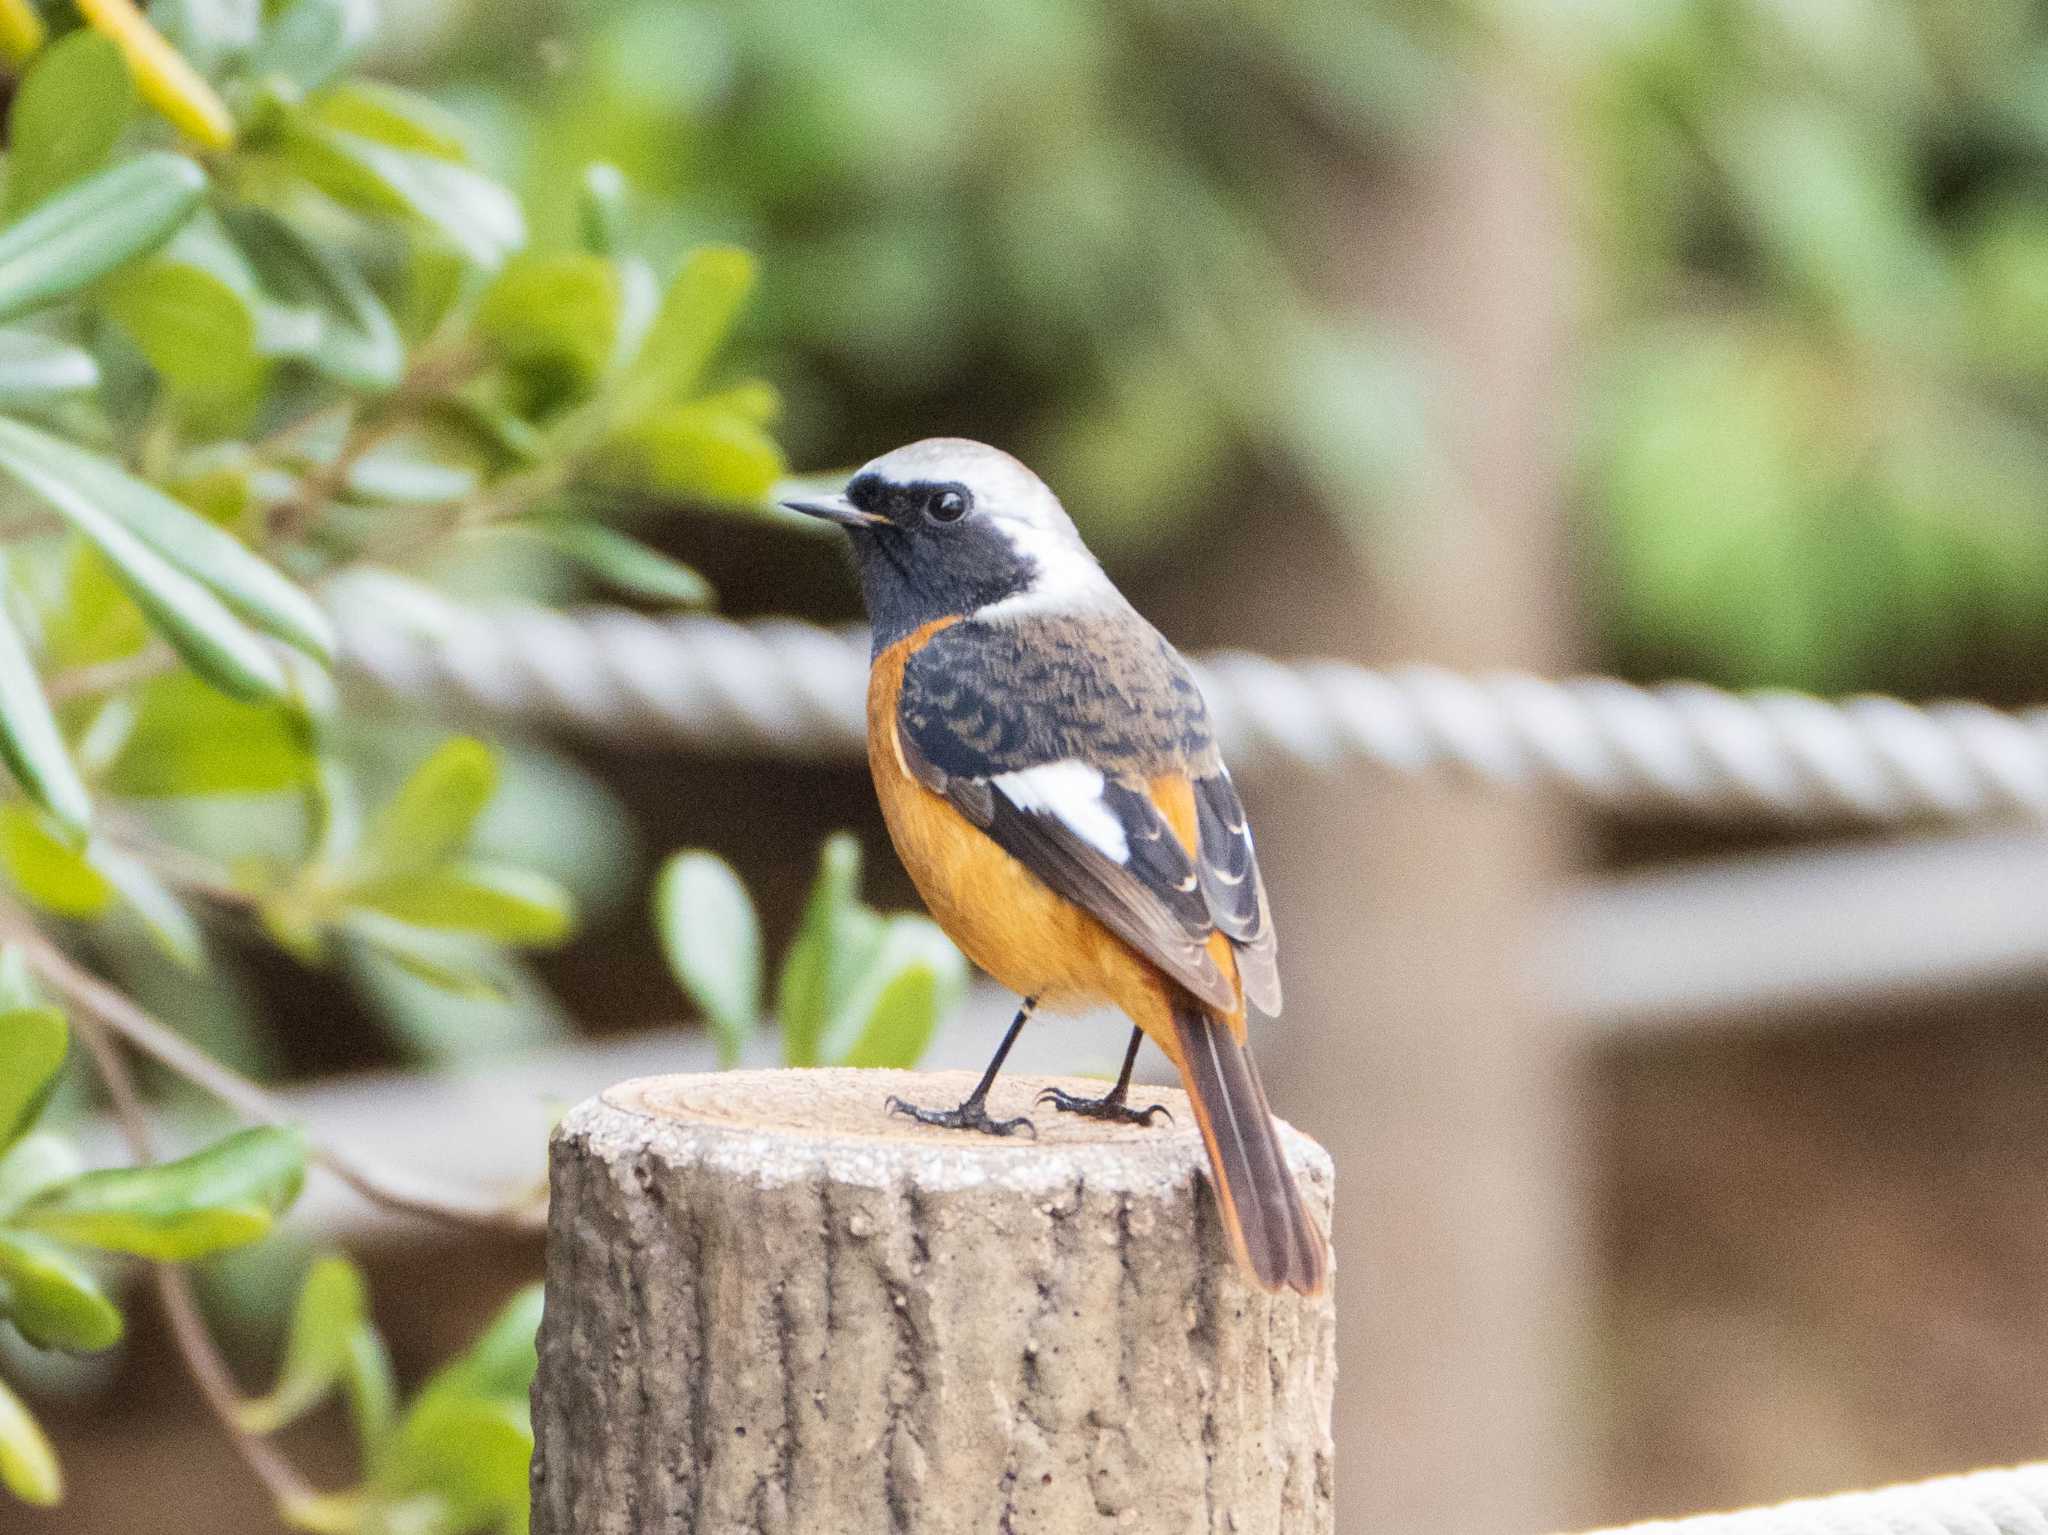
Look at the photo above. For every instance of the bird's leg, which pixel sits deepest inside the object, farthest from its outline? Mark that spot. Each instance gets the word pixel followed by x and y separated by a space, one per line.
pixel 1111 1104
pixel 972 1114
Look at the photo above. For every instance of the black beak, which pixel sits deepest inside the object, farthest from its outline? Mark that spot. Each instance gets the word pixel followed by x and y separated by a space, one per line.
pixel 837 509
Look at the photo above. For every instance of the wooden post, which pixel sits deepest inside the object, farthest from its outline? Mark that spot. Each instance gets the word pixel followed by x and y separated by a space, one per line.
pixel 1416 1043
pixel 771 1308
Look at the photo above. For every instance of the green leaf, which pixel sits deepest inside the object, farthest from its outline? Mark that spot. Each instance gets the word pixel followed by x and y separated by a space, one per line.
pixel 18 988
pixel 500 1365
pixel 142 531
pixel 1837 209
pixel 53 875
pixel 639 302
pixel 168 921
pixel 372 109
pixel 471 1455
pixel 342 1513
pixel 55 1300
pixel 28 1466
pixel 1719 554
pixel 441 960
pixel 497 1006
pixel 36 1162
pixel 696 312
pixel 189 739
pixel 835 940
pixel 95 619
pixel 704 450
pixel 196 322
pixel 197 548
pixel 195 622
pixel 211 34
pixel 33 1042
pixel 226 1196
pixel 356 342
pixel 559 310
pixel 294 918
pixel 332 1308
pixel 312 41
pixel 467 1439
pixel 31 742
pixel 712 938
pixel 337 811
pixel 624 564
pixel 601 209
pixel 430 818
pixel 372 1388
pixel 488 408
pixel 35 368
pixel 66 118
pixel 511 905
pixel 916 979
pixel 426 465
pixel 87 230
pixel 476 217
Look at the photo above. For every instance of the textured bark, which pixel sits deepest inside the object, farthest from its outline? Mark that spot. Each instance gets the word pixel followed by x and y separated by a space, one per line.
pixel 771 1309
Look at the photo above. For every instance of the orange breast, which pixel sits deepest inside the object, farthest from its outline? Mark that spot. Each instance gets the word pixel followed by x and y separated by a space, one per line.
pixel 1001 915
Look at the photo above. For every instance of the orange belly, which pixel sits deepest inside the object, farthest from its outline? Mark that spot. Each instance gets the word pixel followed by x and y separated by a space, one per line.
pixel 1033 941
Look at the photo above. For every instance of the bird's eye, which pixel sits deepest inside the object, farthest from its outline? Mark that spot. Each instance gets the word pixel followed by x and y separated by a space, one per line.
pixel 948 505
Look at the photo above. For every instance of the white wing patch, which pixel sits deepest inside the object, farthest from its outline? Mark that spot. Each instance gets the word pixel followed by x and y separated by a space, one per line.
pixel 1071 793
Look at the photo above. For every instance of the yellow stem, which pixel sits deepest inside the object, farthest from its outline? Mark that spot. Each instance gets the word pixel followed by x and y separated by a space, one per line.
pixel 21 30
pixel 162 76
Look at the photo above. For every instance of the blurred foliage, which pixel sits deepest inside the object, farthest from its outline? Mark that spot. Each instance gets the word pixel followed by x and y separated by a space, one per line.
pixel 856 988
pixel 455 1459
pixel 266 325
pixel 1813 446
pixel 60 1224
pixel 1818 448
pixel 1074 225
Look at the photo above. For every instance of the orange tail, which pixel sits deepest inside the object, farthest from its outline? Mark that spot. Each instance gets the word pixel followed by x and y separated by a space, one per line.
pixel 1276 1241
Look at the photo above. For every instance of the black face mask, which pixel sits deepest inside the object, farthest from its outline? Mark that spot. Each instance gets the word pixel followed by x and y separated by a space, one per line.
pixel 937 556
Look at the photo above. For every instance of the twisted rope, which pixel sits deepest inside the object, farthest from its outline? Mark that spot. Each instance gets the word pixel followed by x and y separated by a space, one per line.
pixel 788 689
pixel 1983 1503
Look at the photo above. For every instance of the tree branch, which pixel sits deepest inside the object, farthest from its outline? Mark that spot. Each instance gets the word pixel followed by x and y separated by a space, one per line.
pixel 430 376
pixel 203 1362
pixel 391 1188
pixel 110 676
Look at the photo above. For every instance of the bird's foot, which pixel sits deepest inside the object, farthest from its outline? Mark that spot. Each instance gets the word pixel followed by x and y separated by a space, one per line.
pixel 1110 1106
pixel 971 1115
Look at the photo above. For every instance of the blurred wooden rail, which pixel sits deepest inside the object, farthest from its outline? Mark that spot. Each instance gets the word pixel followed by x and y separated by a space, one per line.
pixel 1759 937
pixel 1748 941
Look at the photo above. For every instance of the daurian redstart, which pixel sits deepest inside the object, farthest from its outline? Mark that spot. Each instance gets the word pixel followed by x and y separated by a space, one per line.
pixel 1047 770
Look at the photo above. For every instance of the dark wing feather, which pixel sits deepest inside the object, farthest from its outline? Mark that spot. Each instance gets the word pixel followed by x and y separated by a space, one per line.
pixel 980 701
pixel 1152 901
pixel 1234 890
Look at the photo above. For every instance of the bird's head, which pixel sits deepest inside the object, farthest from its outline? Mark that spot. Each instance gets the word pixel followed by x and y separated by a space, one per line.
pixel 948 528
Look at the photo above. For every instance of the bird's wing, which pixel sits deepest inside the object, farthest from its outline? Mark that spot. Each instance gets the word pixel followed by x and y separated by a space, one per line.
pixel 1057 743
pixel 1233 888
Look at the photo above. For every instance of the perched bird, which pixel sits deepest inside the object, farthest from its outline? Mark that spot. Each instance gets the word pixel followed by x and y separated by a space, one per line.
pixel 1047 771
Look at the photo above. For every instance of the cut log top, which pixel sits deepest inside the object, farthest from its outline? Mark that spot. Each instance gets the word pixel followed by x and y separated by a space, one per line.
pixel 773 1308
pixel 779 1127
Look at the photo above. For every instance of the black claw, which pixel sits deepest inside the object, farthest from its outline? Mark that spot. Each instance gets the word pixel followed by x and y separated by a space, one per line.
pixel 971 1115
pixel 1110 1106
